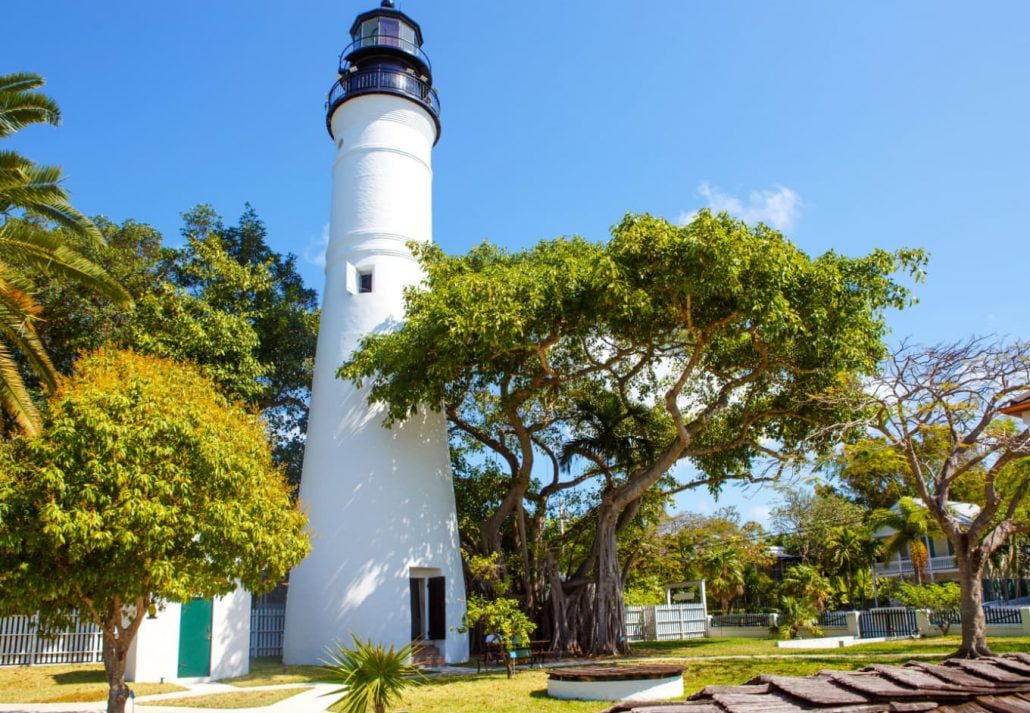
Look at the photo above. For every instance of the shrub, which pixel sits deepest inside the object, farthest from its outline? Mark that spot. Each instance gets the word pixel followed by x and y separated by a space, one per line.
pixel 371 674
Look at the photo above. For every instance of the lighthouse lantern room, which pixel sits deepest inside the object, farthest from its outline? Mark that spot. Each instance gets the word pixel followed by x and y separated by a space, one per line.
pixel 385 563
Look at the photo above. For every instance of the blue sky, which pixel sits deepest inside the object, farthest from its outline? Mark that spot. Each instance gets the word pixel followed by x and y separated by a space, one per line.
pixel 848 125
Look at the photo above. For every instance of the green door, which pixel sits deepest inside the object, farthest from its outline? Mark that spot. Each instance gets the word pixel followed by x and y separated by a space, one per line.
pixel 195 639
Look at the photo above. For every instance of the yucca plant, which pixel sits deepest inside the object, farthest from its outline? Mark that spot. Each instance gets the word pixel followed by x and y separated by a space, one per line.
pixel 31 197
pixel 371 674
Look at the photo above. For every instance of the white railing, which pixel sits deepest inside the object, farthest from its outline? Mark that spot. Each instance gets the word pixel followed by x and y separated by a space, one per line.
pixel 897 567
pixel 942 564
pixel 666 622
pixel 22 644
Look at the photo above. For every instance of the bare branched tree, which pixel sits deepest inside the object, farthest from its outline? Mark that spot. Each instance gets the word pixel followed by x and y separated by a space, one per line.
pixel 953 394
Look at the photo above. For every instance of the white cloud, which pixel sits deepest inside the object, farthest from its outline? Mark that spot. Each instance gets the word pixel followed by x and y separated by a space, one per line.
pixel 314 251
pixel 778 207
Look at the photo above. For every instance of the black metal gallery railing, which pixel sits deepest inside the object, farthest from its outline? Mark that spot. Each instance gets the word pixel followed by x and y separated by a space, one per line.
pixel 406 46
pixel 992 615
pixel 833 618
pixel 380 80
pixel 742 619
pixel 892 622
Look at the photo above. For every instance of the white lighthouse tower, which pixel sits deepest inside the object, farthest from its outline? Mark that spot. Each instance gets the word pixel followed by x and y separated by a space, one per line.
pixel 385 561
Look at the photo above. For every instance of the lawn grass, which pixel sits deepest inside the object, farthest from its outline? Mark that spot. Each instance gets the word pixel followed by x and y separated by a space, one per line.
pixel 269 671
pixel 77 683
pixel 488 692
pixel 704 647
pixel 527 692
pixel 234 699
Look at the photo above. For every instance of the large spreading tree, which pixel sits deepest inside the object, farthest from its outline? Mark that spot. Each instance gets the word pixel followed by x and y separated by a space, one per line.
pixel 146 486
pixel 671 346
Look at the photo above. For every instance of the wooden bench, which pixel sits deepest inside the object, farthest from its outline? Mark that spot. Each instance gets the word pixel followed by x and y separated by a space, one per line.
pixel 534 654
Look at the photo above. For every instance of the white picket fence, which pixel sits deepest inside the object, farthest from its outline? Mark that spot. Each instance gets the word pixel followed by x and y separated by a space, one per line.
pixel 266 630
pixel 22 644
pixel 666 622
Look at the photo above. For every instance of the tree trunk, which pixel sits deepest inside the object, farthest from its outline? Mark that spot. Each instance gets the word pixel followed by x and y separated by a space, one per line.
pixel 114 670
pixel 563 633
pixel 974 624
pixel 609 624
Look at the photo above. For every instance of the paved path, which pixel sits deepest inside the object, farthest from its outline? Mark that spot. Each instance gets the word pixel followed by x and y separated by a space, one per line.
pixel 312 701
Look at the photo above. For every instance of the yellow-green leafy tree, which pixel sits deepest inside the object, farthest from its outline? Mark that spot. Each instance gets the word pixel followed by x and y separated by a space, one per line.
pixel 145 486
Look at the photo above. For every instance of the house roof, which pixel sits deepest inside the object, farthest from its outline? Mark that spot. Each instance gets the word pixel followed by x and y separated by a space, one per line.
pixel 1000 684
pixel 1017 405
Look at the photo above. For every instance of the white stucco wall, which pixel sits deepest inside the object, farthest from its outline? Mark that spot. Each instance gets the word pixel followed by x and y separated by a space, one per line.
pixel 380 501
pixel 154 655
pixel 230 635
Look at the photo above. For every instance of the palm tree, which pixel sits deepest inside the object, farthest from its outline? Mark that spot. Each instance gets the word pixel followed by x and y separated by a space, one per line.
pixel 723 572
pixel 806 584
pixel 31 197
pixel 911 523
pixel 849 551
pixel 603 436
pixel 372 675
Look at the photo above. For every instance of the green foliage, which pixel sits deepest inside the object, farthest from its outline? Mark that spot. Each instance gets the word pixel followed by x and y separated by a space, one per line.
pixel 31 197
pixel 797 618
pixel 806 585
pixel 644 592
pixel 371 675
pixel 723 572
pixel 942 600
pixel 875 475
pixel 499 617
pixel 146 486
pixel 223 301
pixel 850 552
pixel 502 619
pixel 809 519
pixel 731 556
pixel 282 312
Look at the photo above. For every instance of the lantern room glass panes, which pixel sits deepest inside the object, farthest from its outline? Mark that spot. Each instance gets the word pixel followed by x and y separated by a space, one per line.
pixel 388 32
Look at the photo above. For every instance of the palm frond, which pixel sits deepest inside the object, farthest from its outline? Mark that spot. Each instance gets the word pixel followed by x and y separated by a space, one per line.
pixel 20 107
pixel 372 675
pixel 14 397
pixel 41 194
pixel 40 185
pixel 20 82
pixel 18 311
pixel 47 253
pixel 12 160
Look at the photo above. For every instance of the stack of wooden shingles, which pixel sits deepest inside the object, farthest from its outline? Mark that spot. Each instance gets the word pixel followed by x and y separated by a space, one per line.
pixel 999 684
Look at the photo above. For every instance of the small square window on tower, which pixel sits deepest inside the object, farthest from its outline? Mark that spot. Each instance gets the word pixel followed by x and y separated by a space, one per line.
pixel 365 281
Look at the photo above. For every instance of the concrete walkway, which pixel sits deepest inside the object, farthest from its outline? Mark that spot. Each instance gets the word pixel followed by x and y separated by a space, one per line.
pixel 311 701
